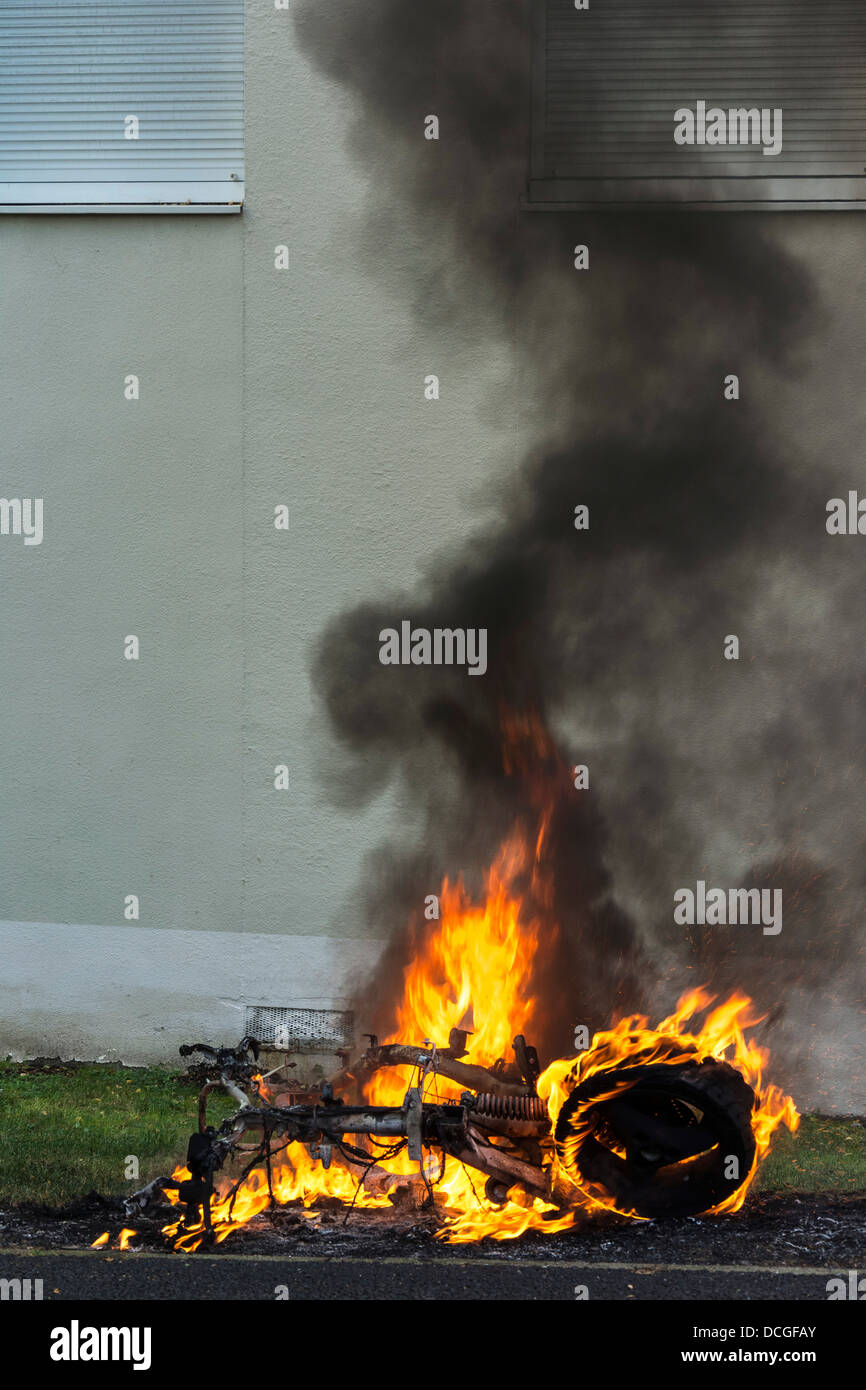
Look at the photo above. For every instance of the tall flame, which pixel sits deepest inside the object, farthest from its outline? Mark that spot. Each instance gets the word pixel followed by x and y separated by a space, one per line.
pixel 476 957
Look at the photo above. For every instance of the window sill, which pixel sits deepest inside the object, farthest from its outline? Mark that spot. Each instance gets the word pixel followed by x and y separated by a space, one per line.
pixel 220 196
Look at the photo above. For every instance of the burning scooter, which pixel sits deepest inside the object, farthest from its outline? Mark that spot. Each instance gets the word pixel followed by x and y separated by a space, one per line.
pixel 646 1122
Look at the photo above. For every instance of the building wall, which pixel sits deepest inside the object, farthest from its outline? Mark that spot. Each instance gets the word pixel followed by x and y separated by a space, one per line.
pixel 155 777
pixel 258 387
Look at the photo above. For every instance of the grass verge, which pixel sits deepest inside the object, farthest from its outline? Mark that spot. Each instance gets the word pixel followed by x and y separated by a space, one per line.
pixel 68 1132
pixel 824 1155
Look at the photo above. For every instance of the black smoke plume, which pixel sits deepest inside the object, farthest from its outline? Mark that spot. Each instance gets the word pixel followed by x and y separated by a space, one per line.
pixel 614 635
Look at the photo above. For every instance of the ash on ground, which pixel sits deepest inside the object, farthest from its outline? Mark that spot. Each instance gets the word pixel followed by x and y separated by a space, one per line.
pixel 772 1230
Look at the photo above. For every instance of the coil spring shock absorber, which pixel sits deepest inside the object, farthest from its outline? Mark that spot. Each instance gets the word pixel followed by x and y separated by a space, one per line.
pixel 510 1107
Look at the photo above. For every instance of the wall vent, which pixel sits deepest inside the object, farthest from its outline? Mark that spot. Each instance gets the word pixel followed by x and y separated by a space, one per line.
pixel 299 1030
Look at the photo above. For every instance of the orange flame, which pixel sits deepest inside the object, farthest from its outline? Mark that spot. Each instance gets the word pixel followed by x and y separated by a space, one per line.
pixel 722 1037
pixel 477 957
pixel 472 969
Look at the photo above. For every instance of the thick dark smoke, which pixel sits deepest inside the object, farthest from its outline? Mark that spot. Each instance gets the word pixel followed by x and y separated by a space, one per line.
pixel 614 635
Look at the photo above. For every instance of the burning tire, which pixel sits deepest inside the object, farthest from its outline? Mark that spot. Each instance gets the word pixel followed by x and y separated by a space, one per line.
pixel 659 1140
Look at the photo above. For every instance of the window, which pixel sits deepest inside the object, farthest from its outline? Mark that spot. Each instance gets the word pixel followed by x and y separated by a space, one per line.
pixel 121 106
pixel 752 103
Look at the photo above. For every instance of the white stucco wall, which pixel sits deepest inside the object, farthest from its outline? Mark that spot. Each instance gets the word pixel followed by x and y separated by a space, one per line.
pixel 110 993
pixel 257 387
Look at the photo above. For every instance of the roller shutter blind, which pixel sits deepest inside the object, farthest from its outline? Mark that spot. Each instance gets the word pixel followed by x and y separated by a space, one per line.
pixel 608 80
pixel 72 73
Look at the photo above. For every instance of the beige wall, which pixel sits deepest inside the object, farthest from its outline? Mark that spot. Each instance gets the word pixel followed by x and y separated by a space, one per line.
pixel 257 387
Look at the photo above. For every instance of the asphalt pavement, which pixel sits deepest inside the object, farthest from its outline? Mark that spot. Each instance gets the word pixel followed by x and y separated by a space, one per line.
pixel 99 1275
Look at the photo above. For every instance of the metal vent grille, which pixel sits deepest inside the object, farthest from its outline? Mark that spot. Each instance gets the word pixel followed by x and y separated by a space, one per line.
pixel 299 1030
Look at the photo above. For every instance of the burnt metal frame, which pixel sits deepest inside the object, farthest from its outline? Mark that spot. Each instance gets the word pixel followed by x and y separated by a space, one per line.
pixel 502 1102
pixel 705 1118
